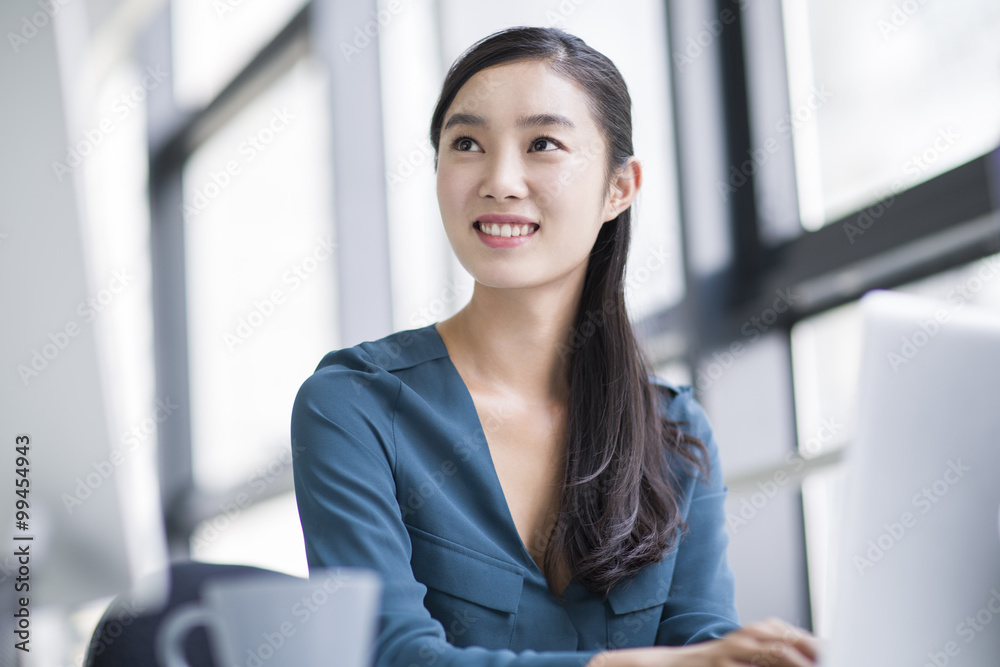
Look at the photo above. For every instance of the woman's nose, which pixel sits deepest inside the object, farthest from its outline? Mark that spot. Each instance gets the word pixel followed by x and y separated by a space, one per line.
pixel 504 177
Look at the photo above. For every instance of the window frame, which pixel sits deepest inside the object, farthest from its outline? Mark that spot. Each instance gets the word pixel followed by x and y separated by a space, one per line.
pixel 948 221
pixel 316 30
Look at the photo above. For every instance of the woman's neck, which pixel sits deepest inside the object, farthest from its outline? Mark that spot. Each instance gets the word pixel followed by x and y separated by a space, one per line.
pixel 516 340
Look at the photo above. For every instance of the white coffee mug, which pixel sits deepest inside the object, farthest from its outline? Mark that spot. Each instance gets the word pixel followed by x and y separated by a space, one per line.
pixel 280 622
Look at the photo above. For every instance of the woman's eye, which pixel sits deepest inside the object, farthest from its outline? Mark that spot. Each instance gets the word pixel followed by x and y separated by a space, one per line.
pixel 543 144
pixel 464 144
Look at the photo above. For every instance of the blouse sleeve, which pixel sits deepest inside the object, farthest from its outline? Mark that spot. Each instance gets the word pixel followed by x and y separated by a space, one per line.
pixel 343 449
pixel 701 604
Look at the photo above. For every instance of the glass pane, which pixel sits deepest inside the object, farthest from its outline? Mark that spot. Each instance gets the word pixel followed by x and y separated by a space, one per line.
pixel 214 40
pixel 116 227
pixel 826 351
pixel 975 283
pixel 260 274
pixel 900 92
pixel 267 534
pixel 826 354
pixel 822 505
pixel 428 284
pixel 675 372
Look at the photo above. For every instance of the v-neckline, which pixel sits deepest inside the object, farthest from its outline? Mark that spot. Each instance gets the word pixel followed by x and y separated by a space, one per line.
pixel 494 477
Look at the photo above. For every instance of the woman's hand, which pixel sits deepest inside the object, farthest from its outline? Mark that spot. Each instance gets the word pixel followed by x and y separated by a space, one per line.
pixel 770 643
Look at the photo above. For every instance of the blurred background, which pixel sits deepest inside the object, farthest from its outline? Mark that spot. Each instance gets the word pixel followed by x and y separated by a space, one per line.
pixel 200 198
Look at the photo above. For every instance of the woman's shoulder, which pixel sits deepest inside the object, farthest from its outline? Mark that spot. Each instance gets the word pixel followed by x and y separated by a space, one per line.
pixel 397 351
pixel 678 403
pixel 368 369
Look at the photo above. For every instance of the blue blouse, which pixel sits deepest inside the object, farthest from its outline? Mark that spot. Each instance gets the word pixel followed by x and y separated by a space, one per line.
pixel 393 473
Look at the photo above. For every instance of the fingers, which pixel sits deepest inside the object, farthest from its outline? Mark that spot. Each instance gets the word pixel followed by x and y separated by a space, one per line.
pixel 776 643
pixel 776 629
pixel 780 654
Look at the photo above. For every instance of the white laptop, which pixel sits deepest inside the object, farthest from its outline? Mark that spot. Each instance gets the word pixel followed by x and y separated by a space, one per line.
pixel 918 562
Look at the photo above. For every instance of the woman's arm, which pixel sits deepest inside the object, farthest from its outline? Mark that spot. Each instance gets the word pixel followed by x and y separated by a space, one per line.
pixel 770 643
pixel 701 603
pixel 344 454
pixel 699 619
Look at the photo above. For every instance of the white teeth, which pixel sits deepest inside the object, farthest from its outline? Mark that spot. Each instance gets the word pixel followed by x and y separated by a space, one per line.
pixel 506 230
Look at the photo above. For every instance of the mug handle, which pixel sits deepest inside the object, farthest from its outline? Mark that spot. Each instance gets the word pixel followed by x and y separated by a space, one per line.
pixel 170 637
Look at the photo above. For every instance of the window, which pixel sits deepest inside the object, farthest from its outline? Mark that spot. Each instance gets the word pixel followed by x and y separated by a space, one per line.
pixel 213 42
pixel 826 350
pixel 890 94
pixel 879 116
pixel 260 274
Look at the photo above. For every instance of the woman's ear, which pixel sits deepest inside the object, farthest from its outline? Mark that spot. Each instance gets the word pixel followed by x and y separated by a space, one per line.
pixel 623 189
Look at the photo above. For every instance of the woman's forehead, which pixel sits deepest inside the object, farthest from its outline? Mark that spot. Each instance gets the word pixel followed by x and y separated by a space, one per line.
pixel 520 92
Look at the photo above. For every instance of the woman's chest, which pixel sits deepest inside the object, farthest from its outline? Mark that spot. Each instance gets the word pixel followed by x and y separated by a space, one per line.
pixel 481 601
pixel 471 554
pixel 526 447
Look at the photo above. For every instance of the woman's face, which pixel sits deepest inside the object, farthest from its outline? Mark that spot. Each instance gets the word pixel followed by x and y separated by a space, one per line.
pixel 521 177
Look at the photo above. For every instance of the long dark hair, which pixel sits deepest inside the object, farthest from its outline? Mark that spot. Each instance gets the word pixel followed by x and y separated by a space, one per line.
pixel 619 508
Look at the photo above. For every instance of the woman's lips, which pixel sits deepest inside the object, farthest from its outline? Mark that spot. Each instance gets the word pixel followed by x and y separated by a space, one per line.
pixel 506 235
pixel 504 230
pixel 509 218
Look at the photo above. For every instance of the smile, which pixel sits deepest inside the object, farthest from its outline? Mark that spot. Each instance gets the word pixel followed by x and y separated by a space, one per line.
pixel 506 230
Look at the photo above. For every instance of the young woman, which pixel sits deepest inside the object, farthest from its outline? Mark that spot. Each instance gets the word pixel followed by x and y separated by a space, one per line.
pixel 528 494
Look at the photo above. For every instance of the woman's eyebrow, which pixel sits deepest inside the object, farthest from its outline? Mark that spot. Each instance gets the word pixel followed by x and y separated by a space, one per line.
pixel 464 119
pixel 543 119
pixel 534 120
